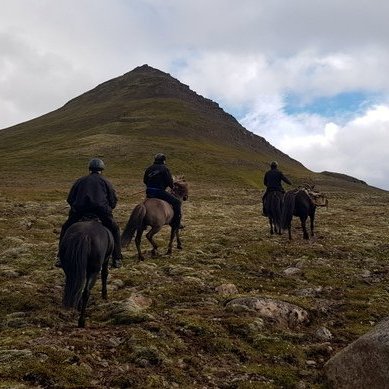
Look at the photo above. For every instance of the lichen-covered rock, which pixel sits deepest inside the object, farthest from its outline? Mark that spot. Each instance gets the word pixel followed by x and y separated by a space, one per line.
pixel 281 312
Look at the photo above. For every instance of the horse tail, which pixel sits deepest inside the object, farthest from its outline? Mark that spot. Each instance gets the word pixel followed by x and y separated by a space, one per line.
pixel 134 223
pixel 75 262
pixel 287 209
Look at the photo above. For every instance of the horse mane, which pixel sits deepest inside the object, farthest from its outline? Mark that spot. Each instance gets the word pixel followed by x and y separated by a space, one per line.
pixel 180 185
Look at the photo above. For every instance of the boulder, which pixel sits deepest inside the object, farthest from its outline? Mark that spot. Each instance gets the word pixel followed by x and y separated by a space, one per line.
pixel 282 313
pixel 362 364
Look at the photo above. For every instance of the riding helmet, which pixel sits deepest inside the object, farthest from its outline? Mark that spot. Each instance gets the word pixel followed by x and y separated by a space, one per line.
pixel 274 165
pixel 159 158
pixel 96 165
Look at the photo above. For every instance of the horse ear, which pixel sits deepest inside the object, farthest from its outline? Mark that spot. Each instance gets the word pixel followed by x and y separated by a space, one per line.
pixel 312 186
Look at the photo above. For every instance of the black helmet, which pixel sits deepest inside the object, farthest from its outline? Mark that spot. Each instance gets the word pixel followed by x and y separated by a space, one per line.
pixel 159 158
pixel 274 165
pixel 96 165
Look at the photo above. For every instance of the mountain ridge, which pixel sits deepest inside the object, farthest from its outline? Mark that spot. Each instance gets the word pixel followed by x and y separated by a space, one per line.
pixel 142 112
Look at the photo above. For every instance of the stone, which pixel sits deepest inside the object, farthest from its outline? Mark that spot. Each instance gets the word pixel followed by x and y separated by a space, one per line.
pixel 362 364
pixel 323 333
pixel 292 271
pixel 226 289
pixel 282 313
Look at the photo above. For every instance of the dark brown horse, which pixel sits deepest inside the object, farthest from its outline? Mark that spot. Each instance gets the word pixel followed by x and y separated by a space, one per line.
pixel 155 213
pixel 273 209
pixel 301 202
pixel 84 251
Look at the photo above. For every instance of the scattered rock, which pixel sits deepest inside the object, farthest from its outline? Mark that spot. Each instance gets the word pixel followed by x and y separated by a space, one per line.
pixel 131 310
pixel 323 334
pixel 364 363
pixel 226 289
pixel 310 292
pixel 365 273
pixel 292 271
pixel 281 312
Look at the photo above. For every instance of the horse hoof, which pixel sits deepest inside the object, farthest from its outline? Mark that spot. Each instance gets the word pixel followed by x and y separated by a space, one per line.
pixel 179 247
pixel 169 252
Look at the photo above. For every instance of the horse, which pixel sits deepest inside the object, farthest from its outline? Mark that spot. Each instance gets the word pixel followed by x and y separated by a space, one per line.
pixel 155 213
pixel 273 210
pixel 301 202
pixel 84 251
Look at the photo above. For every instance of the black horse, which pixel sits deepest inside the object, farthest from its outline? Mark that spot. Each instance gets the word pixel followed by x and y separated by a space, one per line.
pixel 84 251
pixel 273 210
pixel 301 202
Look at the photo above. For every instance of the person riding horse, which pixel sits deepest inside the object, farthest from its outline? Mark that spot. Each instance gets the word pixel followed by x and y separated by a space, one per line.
pixel 157 178
pixel 273 182
pixel 94 195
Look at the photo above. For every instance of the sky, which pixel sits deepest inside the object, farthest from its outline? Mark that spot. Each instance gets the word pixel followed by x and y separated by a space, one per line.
pixel 310 76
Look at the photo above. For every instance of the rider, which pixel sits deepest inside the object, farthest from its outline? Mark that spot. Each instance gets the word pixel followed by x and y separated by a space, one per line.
pixel 94 194
pixel 157 178
pixel 272 181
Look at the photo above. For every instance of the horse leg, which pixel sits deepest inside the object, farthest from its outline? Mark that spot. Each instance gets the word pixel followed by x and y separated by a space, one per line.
pixel 90 282
pixel 312 220
pixel 149 236
pixel 138 239
pixel 170 246
pixel 271 226
pixel 179 245
pixel 304 227
pixel 104 277
pixel 84 302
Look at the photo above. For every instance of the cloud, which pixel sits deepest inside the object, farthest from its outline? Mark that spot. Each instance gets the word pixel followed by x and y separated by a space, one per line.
pixel 357 148
pixel 249 56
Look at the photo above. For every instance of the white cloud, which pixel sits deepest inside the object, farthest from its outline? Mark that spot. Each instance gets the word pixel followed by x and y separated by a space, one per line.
pixel 247 55
pixel 357 148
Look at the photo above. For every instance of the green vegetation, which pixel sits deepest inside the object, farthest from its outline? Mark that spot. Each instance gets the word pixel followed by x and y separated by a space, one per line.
pixel 164 323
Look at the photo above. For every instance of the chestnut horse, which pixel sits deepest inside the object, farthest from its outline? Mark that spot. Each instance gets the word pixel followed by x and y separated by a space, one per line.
pixel 155 213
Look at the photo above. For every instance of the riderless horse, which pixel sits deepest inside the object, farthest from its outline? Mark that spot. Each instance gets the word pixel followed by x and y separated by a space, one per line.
pixel 301 202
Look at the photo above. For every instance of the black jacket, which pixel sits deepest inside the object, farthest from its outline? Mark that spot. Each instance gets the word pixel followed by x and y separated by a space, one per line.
pixel 158 176
pixel 92 191
pixel 273 178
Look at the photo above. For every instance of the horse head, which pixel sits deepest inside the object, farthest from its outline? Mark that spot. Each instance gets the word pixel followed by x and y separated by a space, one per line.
pixel 319 199
pixel 180 188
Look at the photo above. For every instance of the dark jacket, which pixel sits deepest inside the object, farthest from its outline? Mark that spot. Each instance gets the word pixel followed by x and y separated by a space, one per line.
pixel 158 176
pixel 92 191
pixel 272 180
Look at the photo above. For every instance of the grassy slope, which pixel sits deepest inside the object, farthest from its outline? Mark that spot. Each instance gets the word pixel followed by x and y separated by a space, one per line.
pixel 186 337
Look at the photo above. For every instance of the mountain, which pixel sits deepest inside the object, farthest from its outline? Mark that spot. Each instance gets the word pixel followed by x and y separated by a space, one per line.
pixel 127 120
pixel 237 307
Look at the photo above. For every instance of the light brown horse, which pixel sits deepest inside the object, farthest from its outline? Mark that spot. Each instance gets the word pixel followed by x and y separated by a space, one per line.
pixel 155 213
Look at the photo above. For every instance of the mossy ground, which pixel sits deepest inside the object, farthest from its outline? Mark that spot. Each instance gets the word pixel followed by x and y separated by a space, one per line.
pixel 186 337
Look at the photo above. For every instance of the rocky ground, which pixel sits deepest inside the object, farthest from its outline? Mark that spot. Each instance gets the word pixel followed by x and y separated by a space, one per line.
pixel 236 308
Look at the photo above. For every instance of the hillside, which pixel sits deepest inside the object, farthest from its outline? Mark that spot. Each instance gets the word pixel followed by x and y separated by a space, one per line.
pixel 126 121
pixel 190 319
